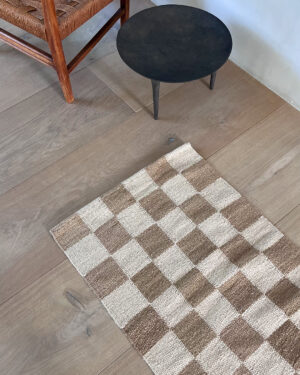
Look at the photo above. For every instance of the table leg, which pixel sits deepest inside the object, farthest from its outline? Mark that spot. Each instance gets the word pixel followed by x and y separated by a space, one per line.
pixel 155 87
pixel 212 80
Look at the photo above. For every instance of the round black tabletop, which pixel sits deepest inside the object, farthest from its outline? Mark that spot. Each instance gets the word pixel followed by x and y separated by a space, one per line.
pixel 174 43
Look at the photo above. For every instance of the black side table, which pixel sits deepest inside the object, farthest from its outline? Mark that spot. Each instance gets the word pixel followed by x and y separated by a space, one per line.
pixel 174 43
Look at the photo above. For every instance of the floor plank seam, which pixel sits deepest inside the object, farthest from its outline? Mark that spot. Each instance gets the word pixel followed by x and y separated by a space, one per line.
pixel 57 83
pixel 247 130
pixel 114 361
pixel 133 113
pixel 32 283
pixel 287 214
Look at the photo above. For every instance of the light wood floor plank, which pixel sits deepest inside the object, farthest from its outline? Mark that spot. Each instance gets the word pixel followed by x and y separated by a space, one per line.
pixel 264 163
pixel 27 253
pixel 44 128
pixel 290 225
pixel 129 363
pixel 134 89
pixel 57 327
pixel 212 119
pixel 29 75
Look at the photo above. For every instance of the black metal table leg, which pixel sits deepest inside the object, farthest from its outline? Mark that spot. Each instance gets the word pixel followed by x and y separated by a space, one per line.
pixel 155 87
pixel 212 80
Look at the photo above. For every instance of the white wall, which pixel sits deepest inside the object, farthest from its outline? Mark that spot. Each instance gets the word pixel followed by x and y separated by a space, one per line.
pixel 266 39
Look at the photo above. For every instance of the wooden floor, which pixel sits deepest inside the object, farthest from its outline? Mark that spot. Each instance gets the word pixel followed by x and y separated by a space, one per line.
pixel 55 157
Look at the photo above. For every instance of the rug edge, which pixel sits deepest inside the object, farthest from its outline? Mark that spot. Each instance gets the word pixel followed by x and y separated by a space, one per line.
pixel 173 152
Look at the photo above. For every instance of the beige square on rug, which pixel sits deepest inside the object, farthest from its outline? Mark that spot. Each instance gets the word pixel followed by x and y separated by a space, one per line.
pixel 197 278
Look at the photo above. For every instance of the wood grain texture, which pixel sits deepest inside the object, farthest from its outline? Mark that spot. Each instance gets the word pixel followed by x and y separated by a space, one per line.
pixel 264 163
pixel 290 225
pixel 120 13
pixel 27 253
pixel 57 326
pixel 212 119
pixel 131 87
pixel 37 131
pixel 32 75
pixel 129 363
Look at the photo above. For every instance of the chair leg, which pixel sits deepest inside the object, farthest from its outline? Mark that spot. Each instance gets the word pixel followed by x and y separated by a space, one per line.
pixel 125 6
pixel 62 70
pixel 56 48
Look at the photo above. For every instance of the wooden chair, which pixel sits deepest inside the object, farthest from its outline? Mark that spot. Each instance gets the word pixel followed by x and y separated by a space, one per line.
pixel 54 20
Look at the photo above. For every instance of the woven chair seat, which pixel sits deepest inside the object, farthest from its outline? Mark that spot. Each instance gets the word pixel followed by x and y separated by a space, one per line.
pixel 28 14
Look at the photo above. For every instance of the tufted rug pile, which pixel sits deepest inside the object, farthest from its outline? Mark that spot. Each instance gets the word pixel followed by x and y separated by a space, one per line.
pixel 199 281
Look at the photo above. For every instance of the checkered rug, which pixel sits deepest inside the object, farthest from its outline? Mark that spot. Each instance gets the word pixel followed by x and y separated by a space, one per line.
pixel 197 278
